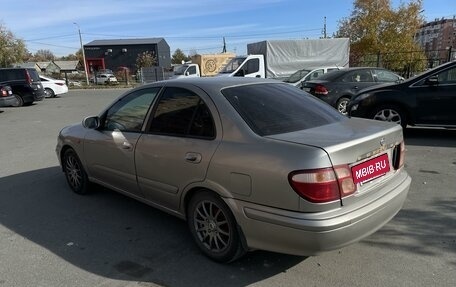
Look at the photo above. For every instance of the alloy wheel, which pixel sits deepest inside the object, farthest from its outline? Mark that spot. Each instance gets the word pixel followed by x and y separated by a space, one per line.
pixel 342 106
pixel 388 115
pixel 212 226
pixel 73 172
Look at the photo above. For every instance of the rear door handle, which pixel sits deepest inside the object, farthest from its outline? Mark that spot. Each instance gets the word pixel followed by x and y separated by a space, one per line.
pixel 193 157
pixel 126 145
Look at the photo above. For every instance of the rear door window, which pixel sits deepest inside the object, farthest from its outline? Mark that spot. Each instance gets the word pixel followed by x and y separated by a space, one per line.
pixel 359 76
pixel 12 75
pixel 385 76
pixel 182 113
pixel 279 108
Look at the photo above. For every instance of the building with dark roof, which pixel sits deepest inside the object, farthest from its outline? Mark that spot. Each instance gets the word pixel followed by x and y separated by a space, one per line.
pixel 120 53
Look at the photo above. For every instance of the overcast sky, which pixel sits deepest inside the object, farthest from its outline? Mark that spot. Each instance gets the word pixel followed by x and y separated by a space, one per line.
pixel 197 25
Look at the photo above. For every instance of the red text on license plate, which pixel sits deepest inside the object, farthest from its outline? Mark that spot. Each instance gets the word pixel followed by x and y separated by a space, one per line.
pixel 371 169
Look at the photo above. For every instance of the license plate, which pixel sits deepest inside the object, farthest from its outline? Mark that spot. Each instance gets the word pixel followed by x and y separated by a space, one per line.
pixel 371 169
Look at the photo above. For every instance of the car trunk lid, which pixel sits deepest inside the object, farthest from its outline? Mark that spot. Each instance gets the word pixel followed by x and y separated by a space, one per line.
pixel 369 148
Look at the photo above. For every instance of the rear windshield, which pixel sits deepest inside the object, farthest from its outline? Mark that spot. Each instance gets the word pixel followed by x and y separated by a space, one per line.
pixel 279 108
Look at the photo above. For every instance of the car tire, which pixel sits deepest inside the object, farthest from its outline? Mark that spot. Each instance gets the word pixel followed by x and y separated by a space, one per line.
pixel 342 104
pixel 19 101
pixel 214 227
pixel 390 113
pixel 49 92
pixel 74 172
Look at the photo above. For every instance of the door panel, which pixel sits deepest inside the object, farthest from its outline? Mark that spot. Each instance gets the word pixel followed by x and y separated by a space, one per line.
pixel 110 150
pixel 164 168
pixel 178 146
pixel 110 158
pixel 436 104
pixel 436 101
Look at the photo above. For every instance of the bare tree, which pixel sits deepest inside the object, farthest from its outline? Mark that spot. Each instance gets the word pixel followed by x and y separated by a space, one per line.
pixel 146 59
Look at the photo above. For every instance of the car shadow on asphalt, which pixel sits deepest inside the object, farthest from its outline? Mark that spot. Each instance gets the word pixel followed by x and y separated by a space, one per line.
pixel 428 229
pixel 430 232
pixel 111 235
pixel 430 137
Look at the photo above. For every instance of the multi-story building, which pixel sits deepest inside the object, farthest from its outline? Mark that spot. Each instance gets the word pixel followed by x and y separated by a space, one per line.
pixel 438 39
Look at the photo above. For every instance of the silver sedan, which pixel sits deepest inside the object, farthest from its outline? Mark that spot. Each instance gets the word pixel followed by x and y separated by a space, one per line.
pixel 249 163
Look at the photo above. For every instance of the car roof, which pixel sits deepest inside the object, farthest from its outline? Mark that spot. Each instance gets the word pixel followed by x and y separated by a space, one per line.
pixel 341 72
pixel 217 82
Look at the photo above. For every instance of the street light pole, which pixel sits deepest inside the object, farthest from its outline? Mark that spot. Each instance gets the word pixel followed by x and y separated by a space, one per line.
pixel 83 53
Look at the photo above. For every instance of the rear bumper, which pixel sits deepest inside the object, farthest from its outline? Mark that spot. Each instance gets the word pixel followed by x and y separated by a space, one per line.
pixel 39 95
pixel 7 101
pixel 308 234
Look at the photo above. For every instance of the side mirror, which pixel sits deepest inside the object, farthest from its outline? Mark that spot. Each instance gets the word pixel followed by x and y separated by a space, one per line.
pixel 432 81
pixel 92 122
pixel 187 73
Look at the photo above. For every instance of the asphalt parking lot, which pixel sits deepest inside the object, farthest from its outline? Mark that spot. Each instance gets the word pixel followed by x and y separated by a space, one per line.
pixel 50 236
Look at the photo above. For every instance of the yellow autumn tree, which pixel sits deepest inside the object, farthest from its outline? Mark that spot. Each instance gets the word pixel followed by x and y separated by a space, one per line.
pixel 384 36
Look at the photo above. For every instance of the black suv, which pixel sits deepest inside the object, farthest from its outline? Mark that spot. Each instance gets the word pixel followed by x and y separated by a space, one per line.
pixel 25 84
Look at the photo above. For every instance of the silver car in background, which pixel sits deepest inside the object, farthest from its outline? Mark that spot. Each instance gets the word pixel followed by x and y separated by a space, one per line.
pixel 249 163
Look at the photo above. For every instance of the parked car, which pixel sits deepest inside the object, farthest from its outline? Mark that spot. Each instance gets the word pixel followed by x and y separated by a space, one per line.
pixel 105 71
pixel 25 84
pixel 105 79
pixel 303 75
pixel 53 87
pixel 338 87
pixel 428 99
pixel 6 96
pixel 249 163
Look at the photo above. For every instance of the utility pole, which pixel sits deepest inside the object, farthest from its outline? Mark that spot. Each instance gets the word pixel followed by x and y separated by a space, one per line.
pixel 224 45
pixel 324 29
pixel 83 53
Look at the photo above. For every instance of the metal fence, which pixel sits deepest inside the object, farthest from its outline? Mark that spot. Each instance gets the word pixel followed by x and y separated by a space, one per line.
pixel 405 63
pixel 154 74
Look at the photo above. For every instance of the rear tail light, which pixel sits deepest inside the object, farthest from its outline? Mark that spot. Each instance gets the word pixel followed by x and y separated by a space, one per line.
pixel 399 156
pixel 323 185
pixel 4 93
pixel 321 90
pixel 28 78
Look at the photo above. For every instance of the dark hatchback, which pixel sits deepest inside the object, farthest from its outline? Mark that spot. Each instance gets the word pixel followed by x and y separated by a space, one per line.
pixel 428 99
pixel 339 87
pixel 25 84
